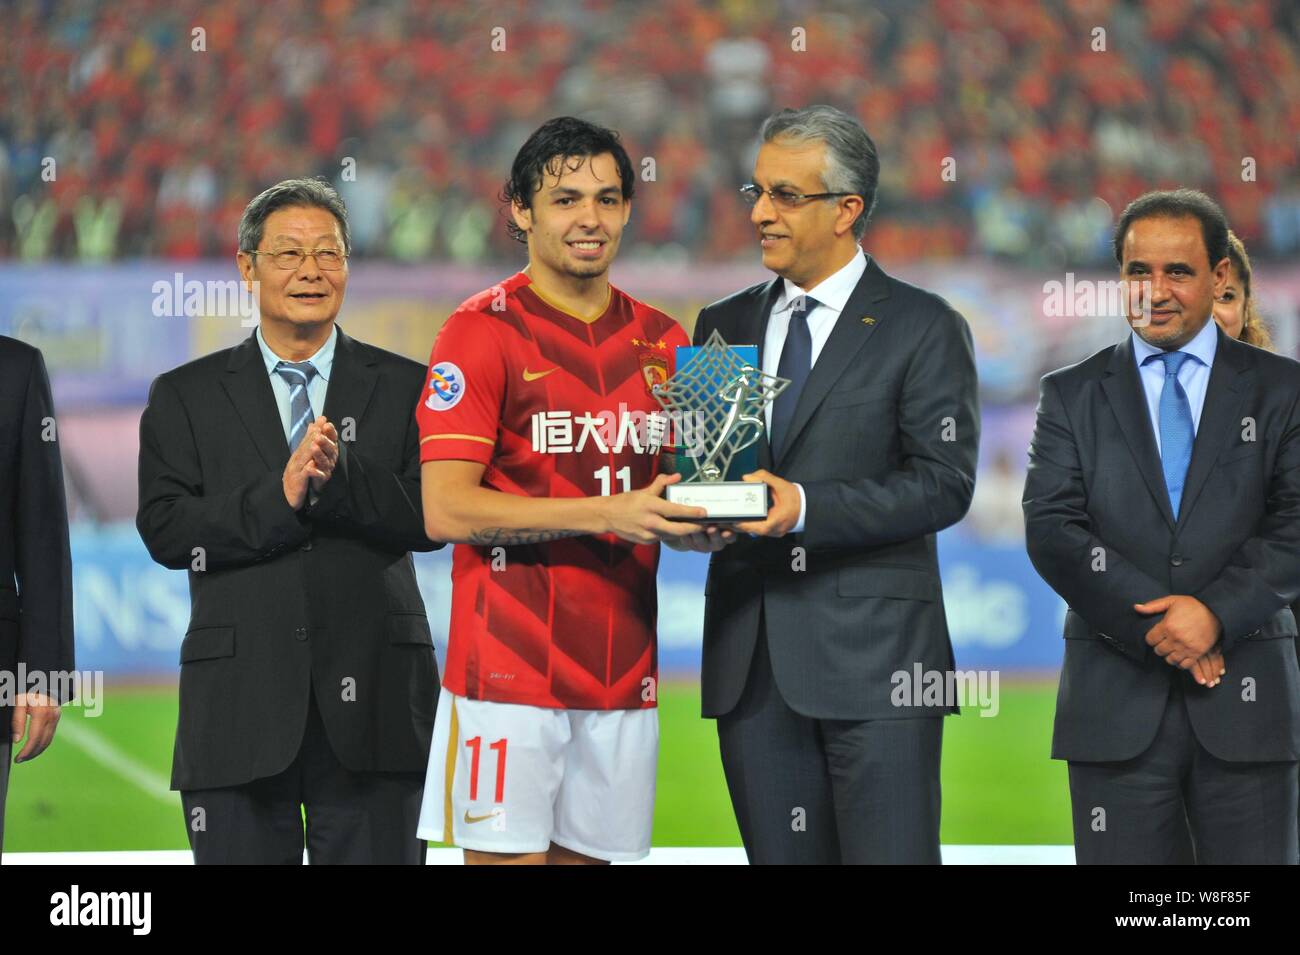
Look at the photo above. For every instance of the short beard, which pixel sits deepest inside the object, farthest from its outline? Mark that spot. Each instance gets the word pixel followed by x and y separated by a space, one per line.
pixel 592 271
pixel 1162 338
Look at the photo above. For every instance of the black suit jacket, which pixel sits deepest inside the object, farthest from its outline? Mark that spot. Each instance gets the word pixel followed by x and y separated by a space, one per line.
pixel 884 441
pixel 287 600
pixel 1100 531
pixel 35 557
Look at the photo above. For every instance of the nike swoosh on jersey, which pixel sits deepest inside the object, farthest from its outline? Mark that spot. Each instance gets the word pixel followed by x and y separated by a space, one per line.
pixel 473 819
pixel 534 375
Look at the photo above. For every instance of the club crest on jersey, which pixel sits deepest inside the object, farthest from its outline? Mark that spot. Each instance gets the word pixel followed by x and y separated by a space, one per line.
pixel 446 386
pixel 654 368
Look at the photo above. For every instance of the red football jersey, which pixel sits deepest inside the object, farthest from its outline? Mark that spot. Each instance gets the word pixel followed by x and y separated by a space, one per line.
pixel 554 407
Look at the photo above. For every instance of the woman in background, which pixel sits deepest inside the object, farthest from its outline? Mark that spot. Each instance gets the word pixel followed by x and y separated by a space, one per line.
pixel 1235 310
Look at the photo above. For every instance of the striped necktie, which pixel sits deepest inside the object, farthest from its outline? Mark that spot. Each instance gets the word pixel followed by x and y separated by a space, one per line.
pixel 297 375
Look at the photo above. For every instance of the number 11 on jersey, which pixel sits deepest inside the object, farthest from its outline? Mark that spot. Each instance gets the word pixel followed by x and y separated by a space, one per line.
pixel 623 474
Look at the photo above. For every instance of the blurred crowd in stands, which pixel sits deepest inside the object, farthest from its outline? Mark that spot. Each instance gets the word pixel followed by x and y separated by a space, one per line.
pixel 162 119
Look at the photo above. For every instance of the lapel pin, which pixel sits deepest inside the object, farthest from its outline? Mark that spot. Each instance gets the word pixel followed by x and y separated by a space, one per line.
pixel 868 320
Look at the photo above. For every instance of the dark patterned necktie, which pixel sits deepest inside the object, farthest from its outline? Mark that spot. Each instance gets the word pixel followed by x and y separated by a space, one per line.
pixel 795 364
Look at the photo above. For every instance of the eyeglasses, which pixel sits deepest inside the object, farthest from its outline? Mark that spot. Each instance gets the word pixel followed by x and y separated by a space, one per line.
pixel 330 260
pixel 784 197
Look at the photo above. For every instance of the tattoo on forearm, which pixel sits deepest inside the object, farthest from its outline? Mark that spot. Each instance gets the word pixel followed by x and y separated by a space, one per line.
pixel 489 536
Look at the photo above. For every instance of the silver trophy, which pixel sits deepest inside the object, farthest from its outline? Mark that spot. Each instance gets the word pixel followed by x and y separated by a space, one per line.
pixel 716 403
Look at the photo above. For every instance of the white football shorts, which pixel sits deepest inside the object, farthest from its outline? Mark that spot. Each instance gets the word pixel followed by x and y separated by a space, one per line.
pixel 516 778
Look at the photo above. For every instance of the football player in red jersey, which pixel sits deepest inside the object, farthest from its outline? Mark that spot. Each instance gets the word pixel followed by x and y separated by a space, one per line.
pixel 540 449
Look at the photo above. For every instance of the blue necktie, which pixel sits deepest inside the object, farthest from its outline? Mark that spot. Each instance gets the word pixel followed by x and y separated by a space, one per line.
pixel 795 364
pixel 1176 431
pixel 298 375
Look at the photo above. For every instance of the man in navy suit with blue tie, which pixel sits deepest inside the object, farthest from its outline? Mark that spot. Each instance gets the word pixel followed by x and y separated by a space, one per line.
pixel 814 615
pixel 1162 503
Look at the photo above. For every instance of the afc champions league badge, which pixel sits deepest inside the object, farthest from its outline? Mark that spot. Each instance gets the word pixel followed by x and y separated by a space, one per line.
pixel 446 386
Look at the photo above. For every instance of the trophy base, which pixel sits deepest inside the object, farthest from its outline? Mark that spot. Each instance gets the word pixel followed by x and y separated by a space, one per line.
pixel 725 501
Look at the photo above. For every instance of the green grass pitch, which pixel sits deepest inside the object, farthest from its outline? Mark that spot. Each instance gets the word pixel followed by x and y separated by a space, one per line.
pixel 102 785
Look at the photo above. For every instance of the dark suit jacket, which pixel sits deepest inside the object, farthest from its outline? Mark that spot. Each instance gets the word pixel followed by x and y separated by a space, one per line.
pixel 883 469
pixel 1095 491
pixel 288 600
pixel 35 557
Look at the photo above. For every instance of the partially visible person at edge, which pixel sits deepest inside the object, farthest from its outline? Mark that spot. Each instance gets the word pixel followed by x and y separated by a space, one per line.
pixel 1237 315
pixel 1235 309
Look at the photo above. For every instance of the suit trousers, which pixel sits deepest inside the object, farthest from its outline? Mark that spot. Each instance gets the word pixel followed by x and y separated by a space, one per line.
pixel 351 817
pixel 820 791
pixel 1176 803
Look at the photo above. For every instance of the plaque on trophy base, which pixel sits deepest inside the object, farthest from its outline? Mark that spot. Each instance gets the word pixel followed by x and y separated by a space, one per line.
pixel 726 501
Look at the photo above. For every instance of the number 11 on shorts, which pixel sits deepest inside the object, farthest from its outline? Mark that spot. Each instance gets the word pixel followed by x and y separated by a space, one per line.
pixel 499 746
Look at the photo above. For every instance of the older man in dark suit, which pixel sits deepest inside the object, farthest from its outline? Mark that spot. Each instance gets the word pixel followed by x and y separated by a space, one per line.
pixel 1163 504
pixel 284 475
pixel 36 644
pixel 811 622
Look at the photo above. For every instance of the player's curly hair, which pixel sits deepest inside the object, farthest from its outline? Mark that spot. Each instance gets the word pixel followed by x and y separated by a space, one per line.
pixel 555 142
pixel 1253 330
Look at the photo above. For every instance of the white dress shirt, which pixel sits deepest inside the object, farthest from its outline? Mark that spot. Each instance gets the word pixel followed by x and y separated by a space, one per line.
pixel 832 294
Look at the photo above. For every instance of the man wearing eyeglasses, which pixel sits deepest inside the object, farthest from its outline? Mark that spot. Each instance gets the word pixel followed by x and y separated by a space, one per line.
pixel 284 475
pixel 819 618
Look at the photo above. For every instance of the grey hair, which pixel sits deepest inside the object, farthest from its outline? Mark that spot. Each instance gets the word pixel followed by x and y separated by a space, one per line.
pixel 291 192
pixel 851 162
